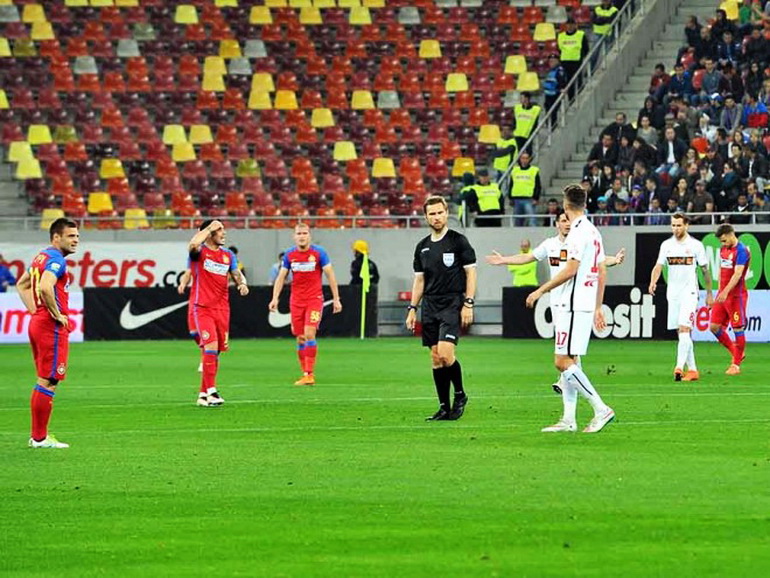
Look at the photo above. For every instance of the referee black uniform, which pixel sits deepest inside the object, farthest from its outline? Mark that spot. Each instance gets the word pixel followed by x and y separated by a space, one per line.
pixel 442 264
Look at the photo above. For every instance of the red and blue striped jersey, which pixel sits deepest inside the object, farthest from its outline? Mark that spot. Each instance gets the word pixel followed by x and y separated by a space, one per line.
pixel 50 259
pixel 730 258
pixel 307 269
pixel 210 268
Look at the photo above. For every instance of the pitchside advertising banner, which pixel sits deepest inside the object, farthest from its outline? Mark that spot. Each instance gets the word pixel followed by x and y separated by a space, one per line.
pixel 161 313
pixel 630 314
pixel 14 318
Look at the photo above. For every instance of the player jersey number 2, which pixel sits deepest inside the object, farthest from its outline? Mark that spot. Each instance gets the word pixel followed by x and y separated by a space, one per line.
pixel 597 250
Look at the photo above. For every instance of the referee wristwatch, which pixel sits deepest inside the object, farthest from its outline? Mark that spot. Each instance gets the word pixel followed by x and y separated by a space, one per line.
pixel 468 302
pixel 411 307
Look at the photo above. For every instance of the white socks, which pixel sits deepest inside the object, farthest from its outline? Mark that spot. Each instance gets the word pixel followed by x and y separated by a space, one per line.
pixel 575 377
pixel 569 398
pixel 683 349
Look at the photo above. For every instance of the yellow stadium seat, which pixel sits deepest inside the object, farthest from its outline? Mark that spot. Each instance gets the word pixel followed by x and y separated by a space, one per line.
pixel 373 3
pixel 259 100
pixel 310 16
pixel 48 216
pixel 20 150
pixel 173 134
pixel 213 82
pixel 456 82
pixel 321 118
pixel 3 99
pixel 544 32
pixel 515 64
pixel 489 133
pixel 226 3
pixel 731 8
pixel 247 168
pixel 348 3
pixel 182 152
pixel 285 100
pixel 75 3
pixel 163 219
pixel 200 134
pixel 24 47
pixel 260 15
pixel 42 31
pixel 230 48
pixel 101 3
pixel 127 3
pixel 430 49
pixel 362 100
pixel 262 82
pixel 214 65
pixel 344 150
pixel 300 3
pixel 111 169
pixel 528 82
pixel 186 14
pixel 463 165
pixel 276 3
pixel 383 167
pixel 135 219
pixel 39 134
pixel 360 16
pixel 98 202
pixel 33 13
pixel 324 3
pixel 5 48
pixel 64 133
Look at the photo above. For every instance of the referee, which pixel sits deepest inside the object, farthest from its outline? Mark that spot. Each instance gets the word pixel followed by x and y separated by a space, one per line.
pixel 445 275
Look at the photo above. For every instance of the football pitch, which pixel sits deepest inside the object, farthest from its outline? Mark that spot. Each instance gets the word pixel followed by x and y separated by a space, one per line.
pixel 346 479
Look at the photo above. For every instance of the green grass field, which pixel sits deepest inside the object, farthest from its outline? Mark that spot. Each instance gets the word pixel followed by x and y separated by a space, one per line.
pixel 346 479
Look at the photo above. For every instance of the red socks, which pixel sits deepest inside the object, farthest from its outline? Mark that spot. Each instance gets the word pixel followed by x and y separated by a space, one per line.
pixel 41 405
pixel 739 348
pixel 301 355
pixel 725 340
pixel 210 366
pixel 311 350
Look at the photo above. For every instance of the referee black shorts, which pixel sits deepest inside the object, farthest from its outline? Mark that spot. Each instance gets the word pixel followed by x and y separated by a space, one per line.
pixel 441 320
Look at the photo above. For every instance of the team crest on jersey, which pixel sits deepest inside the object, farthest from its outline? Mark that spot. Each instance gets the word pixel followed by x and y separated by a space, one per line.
pixel 226 260
pixel 61 369
pixel 311 258
pixel 205 336
pixel 449 259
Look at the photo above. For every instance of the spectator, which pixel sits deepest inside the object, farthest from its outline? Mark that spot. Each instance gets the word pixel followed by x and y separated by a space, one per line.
pixel 6 277
pixel 655 112
pixel 672 206
pixel 754 166
pixel 552 210
pixel 714 108
pixel 670 154
pixel 553 84
pixel 721 146
pixel 760 208
pixel 573 49
pixel 706 46
pixel 656 216
pixel 737 158
pixel 616 191
pixel 594 177
pixel 706 129
pixel 755 140
pixel 607 177
pixel 646 131
pixel 702 202
pixel 620 128
pixel 489 200
pixel 621 216
pixel 681 190
pixel 688 116
pixel 692 30
pixel 710 83
pixel 640 173
pixel 756 55
pixel 651 191
pixel 764 94
pixel 742 207
pixel 626 154
pixel 601 216
pixel 525 189
pixel 754 113
pixel 680 129
pixel 680 85
pixel 731 185
pixel 731 84
pixel 644 153
pixel 729 51
pixel 604 151
pixel 637 203
pixel 731 114
pixel 361 248
pixel 275 268
pixel 506 150
pixel 721 24
pixel 660 79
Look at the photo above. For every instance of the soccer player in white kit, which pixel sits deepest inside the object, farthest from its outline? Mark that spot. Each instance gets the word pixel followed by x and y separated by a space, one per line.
pixel 579 302
pixel 554 249
pixel 682 255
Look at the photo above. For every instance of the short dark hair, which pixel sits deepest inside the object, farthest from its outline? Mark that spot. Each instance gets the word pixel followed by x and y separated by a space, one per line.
pixel 575 196
pixel 725 229
pixel 234 249
pixel 58 226
pixel 205 224
pixel 434 200
pixel 682 216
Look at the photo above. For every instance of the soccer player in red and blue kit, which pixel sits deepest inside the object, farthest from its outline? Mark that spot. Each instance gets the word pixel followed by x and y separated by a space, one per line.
pixel 730 304
pixel 306 262
pixel 44 289
pixel 212 265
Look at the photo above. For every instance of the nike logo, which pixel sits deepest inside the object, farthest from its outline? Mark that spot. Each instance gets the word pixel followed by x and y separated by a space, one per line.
pixel 129 321
pixel 278 320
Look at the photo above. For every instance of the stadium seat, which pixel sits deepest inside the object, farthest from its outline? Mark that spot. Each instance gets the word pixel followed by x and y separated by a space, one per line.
pixel 344 151
pixel 48 216
pixel 174 134
pixel 515 64
pixel 529 82
pixel 99 202
pixel 456 82
pixel 19 151
pixel 111 169
pixel 383 168
pixel 135 218
pixel 183 152
pixel 39 134
pixel 200 134
pixel 463 165
pixel 489 133
pixel 28 168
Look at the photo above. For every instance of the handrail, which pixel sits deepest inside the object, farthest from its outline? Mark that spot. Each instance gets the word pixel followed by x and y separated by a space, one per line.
pixel 597 56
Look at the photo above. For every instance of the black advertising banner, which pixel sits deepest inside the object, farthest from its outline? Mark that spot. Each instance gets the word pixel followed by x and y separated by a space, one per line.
pixel 758 276
pixel 630 314
pixel 161 313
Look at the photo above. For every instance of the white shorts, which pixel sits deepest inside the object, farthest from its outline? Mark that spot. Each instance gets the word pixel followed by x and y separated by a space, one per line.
pixel 681 312
pixel 572 332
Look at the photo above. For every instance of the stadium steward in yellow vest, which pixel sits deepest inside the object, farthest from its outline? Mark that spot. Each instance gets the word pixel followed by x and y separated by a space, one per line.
pixel 525 190
pixel 526 116
pixel 525 275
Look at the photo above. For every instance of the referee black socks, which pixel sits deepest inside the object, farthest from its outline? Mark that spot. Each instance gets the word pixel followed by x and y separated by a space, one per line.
pixel 442 380
pixel 455 373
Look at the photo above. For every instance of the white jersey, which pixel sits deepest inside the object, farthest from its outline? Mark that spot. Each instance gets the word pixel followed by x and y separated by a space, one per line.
pixel 584 244
pixel 555 250
pixel 682 259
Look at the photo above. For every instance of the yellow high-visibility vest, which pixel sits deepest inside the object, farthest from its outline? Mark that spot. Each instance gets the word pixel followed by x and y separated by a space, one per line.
pixel 502 163
pixel 523 181
pixel 489 197
pixel 570 45
pixel 524 275
pixel 525 119
pixel 604 29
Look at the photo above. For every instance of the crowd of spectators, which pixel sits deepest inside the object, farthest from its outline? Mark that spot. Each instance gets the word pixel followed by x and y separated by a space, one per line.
pixel 699 142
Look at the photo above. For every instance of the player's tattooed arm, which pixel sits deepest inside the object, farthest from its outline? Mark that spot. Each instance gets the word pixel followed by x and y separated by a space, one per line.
pixel 24 287
pixel 240 282
pixel 709 285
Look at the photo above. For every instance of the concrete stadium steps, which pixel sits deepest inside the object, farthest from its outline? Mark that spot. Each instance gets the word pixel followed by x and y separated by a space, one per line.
pixel 662 49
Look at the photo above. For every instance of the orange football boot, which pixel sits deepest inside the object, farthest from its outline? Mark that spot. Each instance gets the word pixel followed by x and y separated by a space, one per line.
pixel 733 369
pixel 308 379
pixel 691 376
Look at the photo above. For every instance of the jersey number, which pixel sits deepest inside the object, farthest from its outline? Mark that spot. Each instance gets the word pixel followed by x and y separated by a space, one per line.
pixel 561 338
pixel 597 250
pixel 34 274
